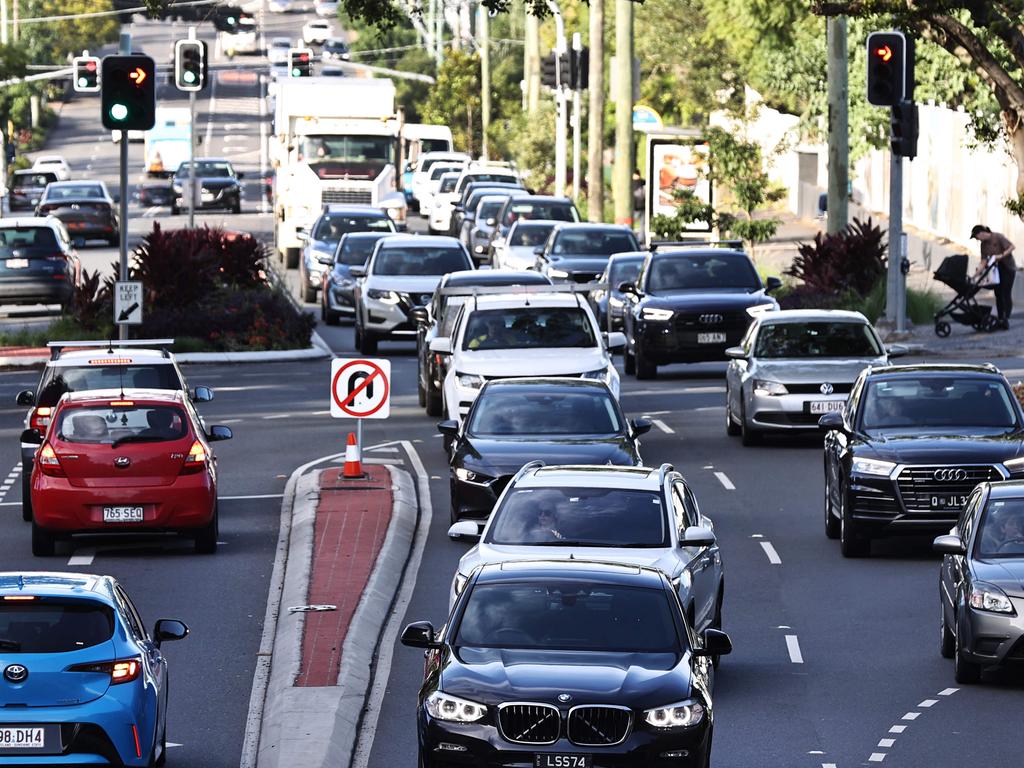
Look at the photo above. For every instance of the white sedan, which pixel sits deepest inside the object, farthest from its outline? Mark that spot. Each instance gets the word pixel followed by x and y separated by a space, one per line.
pixel 54 163
pixel 316 31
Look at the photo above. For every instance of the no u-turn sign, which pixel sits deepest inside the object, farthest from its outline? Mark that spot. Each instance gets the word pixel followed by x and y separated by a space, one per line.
pixel 360 389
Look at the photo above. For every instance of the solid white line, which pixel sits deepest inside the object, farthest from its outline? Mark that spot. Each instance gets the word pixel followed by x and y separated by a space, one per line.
pixel 277 416
pixel 386 646
pixel 773 556
pixel 382 450
pixel 911 716
pixel 828 765
pixel 82 557
pixel 663 426
pixel 876 757
pixel 886 743
pixel 928 703
pixel 898 729
pixel 793 646
pixel 10 503
pixel 725 481
pixel 948 691
pixel 253 496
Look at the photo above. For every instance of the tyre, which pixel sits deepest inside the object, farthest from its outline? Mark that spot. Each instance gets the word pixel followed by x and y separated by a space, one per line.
pixel 749 435
pixel 26 497
pixel 645 369
pixel 367 344
pixel 435 402
pixel 309 294
pixel 43 542
pixel 329 317
pixel 964 671
pixel 421 393
pixel 832 524
pixel 114 240
pixel 175 210
pixel 943 329
pixel 947 640
pixel 732 429
pixel 236 207
pixel 291 258
pixel 206 537
pixel 628 361
pixel 851 543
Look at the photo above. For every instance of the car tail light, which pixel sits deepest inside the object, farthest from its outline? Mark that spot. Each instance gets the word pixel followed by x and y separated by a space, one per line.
pixel 40 418
pixel 120 671
pixel 48 461
pixel 196 459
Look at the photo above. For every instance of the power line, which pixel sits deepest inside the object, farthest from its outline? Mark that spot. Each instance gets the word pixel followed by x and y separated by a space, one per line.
pixel 96 14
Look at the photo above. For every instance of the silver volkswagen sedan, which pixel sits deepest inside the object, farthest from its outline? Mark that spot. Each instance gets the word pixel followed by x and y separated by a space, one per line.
pixel 982 582
pixel 795 365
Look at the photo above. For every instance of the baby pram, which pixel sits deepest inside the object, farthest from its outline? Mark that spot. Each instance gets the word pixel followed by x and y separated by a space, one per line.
pixel 964 307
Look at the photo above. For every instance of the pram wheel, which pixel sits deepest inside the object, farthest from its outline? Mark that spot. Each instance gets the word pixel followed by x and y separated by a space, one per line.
pixel 942 329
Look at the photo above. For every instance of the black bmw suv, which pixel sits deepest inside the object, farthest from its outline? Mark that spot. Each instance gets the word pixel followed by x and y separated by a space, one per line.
pixel 688 305
pixel 566 664
pixel 911 444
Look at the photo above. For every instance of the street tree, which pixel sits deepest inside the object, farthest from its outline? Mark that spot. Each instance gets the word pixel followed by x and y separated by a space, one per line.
pixel 454 99
pixel 52 42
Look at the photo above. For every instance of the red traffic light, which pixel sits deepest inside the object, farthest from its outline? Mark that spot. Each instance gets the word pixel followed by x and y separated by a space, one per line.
pixel 91 66
pixel 883 52
pixel 302 57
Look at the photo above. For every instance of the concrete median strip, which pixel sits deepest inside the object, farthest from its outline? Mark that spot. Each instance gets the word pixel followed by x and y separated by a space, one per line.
pixel 314 724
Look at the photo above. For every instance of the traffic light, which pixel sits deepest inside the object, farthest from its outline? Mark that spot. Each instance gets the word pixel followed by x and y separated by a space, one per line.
pixel 548 71
pixel 128 92
pixel 904 129
pixel 579 69
pixel 887 68
pixel 300 62
pixel 87 74
pixel 189 65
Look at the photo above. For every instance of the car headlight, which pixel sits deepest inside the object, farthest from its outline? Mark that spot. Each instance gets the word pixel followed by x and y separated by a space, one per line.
pixel 656 315
pixel 558 274
pixel 765 387
pixel 397 213
pixel 617 303
pixel 989 597
pixel 443 706
pixel 597 375
pixel 1013 466
pixel 470 380
pixel 873 467
pixel 685 714
pixel 459 582
pixel 343 282
pixel 469 476
pixel 384 297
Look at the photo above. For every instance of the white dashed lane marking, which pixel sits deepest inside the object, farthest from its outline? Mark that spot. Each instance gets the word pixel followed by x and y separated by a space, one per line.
pixel 725 481
pixel 793 646
pixel 663 426
pixel 769 550
pixel 82 557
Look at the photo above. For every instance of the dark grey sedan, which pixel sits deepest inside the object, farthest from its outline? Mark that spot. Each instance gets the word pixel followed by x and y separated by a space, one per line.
pixel 982 582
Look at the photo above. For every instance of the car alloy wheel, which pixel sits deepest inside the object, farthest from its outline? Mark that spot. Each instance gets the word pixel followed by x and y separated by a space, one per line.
pixel 963 670
pixel 731 428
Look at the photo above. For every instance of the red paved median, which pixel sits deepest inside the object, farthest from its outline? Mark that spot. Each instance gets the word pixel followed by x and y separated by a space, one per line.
pixel 352 519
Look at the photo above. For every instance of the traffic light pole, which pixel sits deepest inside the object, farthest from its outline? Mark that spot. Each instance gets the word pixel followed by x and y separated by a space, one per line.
pixel 122 329
pixel 577 47
pixel 560 100
pixel 191 148
pixel 896 288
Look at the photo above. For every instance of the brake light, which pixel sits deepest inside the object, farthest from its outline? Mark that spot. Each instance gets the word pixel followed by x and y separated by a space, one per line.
pixel 19 597
pixel 196 459
pixel 120 671
pixel 49 463
pixel 40 418
pixel 121 403
pixel 112 361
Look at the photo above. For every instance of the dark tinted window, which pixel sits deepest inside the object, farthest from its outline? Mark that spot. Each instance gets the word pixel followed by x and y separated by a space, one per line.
pixel 675 272
pixel 951 402
pixel 822 339
pixel 419 261
pixel 591 517
pixel 530 234
pixel 32 180
pixel 68 191
pixel 435 145
pixel 27 241
pixel 206 168
pixel 437 171
pixel 58 380
pixel 1002 529
pixel 624 271
pixel 488 209
pixel 121 424
pixel 569 615
pixel 53 626
pixel 331 227
pixel 593 243
pixel 356 250
pixel 552 211
pixel 448 185
pixel 528 327
pixel 504 411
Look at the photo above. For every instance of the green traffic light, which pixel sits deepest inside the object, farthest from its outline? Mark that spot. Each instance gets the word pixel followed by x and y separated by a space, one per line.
pixel 296 72
pixel 189 77
pixel 119 112
pixel 82 82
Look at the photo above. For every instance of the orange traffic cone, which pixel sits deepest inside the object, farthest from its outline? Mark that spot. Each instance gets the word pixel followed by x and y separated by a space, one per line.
pixel 353 465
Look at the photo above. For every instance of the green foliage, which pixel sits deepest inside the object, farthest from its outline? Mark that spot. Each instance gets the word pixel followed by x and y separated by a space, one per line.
pixel 455 99
pixel 51 43
pixel 530 141
pixel 849 261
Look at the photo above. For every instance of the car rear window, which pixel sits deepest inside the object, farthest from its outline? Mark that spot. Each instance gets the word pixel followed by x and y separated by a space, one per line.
pixel 33 180
pixel 53 625
pixel 27 241
pixel 58 380
pixel 66 192
pixel 118 424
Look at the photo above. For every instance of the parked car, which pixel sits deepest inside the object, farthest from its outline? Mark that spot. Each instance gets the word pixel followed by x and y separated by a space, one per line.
pixel 27 187
pixel 38 263
pixel 85 207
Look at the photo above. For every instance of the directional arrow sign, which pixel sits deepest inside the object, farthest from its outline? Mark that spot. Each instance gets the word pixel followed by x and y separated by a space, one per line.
pixel 139 75
pixel 128 303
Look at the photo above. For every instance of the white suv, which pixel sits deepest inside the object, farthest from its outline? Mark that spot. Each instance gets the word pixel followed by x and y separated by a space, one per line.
pixel 540 331
pixel 402 273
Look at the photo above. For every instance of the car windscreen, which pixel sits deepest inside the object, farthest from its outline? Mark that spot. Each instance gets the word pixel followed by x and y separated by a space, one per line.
pixel 553 211
pixel 435 145
pixel 52 625
pixel 419 261
pixel 530 234
pixel 117 424
pixel 624 271
pixel 1001 532
pixel 25 180
pixel 937 402
pixel 570 615
pixel 448 185
pixel 594 243
pixel 353 149
pixel 355 251
pixel 28 242
pixel 816 339
pixel 537 327
pixel 488 209
pixel 331 227
pixel 432 163
pixel 510 411
pixel 684 272
pixel 215 170
pixel 60 379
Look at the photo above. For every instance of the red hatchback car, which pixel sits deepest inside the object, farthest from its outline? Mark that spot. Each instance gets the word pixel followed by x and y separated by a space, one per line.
pixel 125 462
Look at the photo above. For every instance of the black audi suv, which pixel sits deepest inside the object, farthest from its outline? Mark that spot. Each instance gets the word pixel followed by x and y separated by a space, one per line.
pixel 911 444
pixel 566 664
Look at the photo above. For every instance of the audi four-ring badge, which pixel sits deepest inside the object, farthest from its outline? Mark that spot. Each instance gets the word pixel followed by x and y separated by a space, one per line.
pixel 911 445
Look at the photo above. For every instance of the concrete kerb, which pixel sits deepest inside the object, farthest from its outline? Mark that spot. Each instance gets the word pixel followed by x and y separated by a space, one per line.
pixel 319 726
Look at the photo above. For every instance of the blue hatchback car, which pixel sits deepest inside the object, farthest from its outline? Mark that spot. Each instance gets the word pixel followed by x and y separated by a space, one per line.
pixel 81 680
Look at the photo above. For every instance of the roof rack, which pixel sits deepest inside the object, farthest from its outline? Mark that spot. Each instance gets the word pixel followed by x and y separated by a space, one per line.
pixel 656 244
pixel 538 288
pixel 663 471
pixel 56 347
pixel 535 464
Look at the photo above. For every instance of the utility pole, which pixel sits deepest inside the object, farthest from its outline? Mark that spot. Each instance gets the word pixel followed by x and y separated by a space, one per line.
pixel 483 41
pixel 191 149
pixel 531 63
pixel 595 128
pixel 439 34
pixel 125 47
pixel 622 171
pixel 561 148
pixel 3 22
pixel 577 48
pixel 838 125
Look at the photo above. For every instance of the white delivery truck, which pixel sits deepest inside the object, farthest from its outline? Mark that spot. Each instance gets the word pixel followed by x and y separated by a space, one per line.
pixel 335 141
pixel 168 141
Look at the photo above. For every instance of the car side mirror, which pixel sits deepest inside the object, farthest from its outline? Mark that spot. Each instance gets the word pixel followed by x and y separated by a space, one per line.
pixel 302 228
pixel 32 436
pixel 697 536
pixel 615 340
pixel 949 544
pixel 218 433
pixel 302 237
pixel 538 252
pixel 715 643
pixel 736 353
pixel 419 634
pixel 239 174
pixel 419 315
pixel 441 345
pixel 772 284
pixel 325 260
pixel 641 426
pixel 897 350
pixel 26 397
pixel 833 420
pixel 357 271
pixel 202 394
pixel 116 197
pixel 465 529
pixel 449 428
pixel 628 287
pixel 169 629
